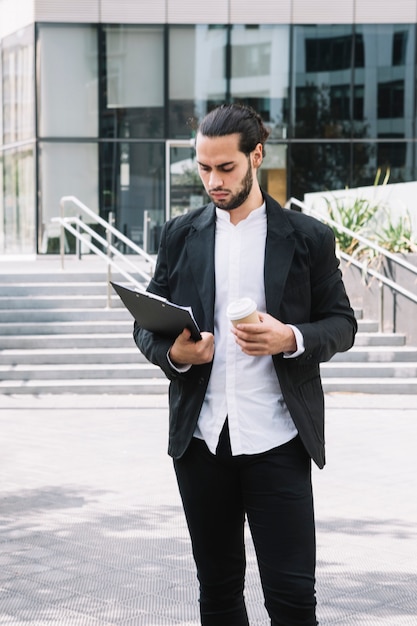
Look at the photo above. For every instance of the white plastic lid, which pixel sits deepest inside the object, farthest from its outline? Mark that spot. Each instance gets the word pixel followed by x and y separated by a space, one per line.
pixel 240 308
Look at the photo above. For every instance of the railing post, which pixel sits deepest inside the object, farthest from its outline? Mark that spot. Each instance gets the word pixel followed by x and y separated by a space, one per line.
pixel 146 222
pixel 381 308
pixel 394 312
pixel 62 236
pixel 109 239
pixel 78 246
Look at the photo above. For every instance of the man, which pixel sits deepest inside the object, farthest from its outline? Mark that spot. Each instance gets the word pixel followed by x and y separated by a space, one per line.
pixel 246 403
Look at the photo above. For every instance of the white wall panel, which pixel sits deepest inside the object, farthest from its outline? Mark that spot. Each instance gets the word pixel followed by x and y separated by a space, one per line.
pixel 322 12
pixel 385 11
pixel 133 11
pixel 198 11
pixel 67 10
pixel 260 11
pixel 15 15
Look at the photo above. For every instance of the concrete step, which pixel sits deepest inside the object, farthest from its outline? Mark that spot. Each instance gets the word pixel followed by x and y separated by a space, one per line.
pixel 42 356
pixel 82 370
pixel 160 386
pixel 367 326
pixel 46 270
pixel 379 339
pixel 54 289
pixel 74 310
pixel 71 340
pixel 380 386
pixel 145 386
pixel 76 334
pixel 377 354
pixel 79 371
pixel 369 370
pixel 130 354
pixel 55 302
pixel 97 327
pixel 43 317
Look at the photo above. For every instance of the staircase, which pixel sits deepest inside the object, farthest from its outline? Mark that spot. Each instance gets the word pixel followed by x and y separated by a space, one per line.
pixel 58 336
pixel 379 363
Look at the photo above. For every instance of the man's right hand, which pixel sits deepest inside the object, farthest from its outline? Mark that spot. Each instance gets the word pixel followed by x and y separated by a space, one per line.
pixel 186 351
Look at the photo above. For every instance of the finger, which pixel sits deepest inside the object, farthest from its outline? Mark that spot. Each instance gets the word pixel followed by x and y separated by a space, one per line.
pixel 185 335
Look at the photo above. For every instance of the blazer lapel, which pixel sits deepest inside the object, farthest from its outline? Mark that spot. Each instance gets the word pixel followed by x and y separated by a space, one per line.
pixel 278 258
pixel 200 251
pixel 278 255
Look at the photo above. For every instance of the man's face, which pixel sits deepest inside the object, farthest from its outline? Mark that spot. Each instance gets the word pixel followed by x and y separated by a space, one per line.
pixel 225 171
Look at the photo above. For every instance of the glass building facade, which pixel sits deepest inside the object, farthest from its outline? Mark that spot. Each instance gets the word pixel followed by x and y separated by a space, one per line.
pixel 107 113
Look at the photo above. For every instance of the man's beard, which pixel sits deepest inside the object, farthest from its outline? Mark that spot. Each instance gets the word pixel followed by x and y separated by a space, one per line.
pixel 239 198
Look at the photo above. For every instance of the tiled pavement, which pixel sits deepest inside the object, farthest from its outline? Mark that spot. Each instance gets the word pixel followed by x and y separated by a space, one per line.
pixel 92 531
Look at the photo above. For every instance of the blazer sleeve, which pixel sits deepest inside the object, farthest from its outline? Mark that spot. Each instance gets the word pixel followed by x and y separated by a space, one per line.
pixel 332 326
pixel 153 346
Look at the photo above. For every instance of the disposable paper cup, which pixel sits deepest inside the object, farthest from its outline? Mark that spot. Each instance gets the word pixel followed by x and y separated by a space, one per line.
pixel 242 311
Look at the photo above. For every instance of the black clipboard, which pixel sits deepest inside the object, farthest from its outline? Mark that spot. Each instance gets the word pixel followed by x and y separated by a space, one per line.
pixel 157 314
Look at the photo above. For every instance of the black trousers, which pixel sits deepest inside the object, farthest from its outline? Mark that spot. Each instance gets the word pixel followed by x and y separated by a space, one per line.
pixel 273 490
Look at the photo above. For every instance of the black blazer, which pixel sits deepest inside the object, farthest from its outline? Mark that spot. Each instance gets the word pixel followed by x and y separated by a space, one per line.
pixel 303 286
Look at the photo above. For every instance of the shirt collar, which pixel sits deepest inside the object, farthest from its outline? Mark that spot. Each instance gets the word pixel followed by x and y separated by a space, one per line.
pixel 255 215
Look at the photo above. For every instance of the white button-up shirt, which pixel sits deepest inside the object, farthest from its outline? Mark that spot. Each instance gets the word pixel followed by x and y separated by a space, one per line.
pixel 243 388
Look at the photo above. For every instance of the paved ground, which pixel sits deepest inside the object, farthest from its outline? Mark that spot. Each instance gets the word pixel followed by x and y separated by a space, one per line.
pixel 92 532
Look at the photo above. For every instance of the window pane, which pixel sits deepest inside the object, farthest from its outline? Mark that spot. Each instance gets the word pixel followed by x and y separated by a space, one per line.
pixel 132 182
pixel 2 213
pixel 18 212
pixel 319 167
pixel 67 81
pixel 273 172
pixel 186 189
pixel 259 72
pixel 399 47
pixel 18 87
pixel 197 75
pixel 322 77
pixel 364 166
pixel 133 98
pixel 392 160
pixel 1 100
pixel 387 80
pixel 65 169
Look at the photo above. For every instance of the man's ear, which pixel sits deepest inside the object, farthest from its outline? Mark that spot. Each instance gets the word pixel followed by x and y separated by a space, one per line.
pixel 257 156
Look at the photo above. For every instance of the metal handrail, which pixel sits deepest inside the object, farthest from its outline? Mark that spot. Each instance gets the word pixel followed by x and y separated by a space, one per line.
pixel 367 242
pixel 78 228
pixel 116 233
pixel 351 260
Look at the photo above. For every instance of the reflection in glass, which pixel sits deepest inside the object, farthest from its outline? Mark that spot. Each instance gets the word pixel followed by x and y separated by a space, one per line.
pixel 65 169
pixel 18 210
pixel 319 166
pixel 2 212
pixel 186 189
pixel 322 79
pixel 133 183
pixel 364 164
pixel 387 79
pixel 67 81
pixel 197 75
pixel 259 72
pixel 395 160
pixel 133 82
pixel 1 105
pixel 273 172
pixel 18 87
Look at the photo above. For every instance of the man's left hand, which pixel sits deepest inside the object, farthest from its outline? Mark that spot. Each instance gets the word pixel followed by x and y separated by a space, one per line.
pixel 270 336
